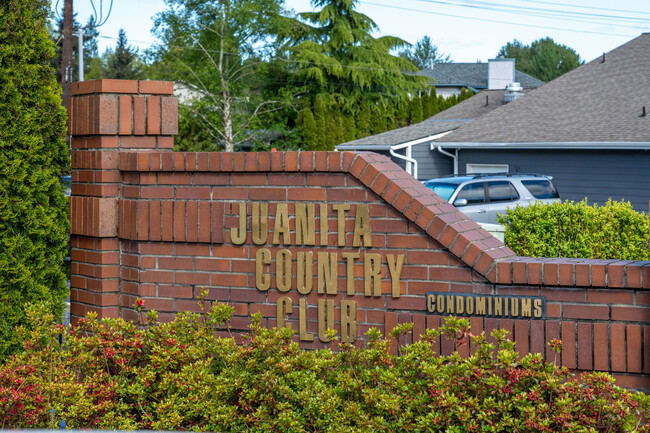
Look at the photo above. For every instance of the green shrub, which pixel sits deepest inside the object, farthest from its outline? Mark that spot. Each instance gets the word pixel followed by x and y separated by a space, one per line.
pixel 179 376
pixel 611 231
pixel 33 154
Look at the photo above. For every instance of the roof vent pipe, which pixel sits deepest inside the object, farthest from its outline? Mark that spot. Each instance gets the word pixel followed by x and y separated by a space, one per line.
pixel 643 112
pixel 603 61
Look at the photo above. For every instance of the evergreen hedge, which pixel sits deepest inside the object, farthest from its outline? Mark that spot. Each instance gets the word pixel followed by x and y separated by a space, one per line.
pixel 33 155
pixel 568 229
pixel 114 374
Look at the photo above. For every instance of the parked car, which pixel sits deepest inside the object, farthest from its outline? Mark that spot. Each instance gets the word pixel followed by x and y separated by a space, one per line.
pixel 483 196
pixel 66 182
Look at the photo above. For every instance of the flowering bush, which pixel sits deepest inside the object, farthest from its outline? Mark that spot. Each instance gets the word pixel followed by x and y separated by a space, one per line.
pixel 113 374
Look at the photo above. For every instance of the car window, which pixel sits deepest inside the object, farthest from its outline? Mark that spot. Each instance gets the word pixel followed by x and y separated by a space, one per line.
pixel 502 190
pixel 444 190
pixel 473 193
pixel 541 188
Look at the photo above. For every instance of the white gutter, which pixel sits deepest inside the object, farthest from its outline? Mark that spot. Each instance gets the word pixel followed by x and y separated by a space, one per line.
pixel 453 156
pixel 575 145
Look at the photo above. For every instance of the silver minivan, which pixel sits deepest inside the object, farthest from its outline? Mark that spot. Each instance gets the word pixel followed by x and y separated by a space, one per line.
pixel 483 196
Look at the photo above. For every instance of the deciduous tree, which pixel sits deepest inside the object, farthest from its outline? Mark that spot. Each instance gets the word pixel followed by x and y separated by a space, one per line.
pixel 544 59
pixel 218 51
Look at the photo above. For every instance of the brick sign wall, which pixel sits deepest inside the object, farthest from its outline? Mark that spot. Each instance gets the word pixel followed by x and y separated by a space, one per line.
pixel 317 239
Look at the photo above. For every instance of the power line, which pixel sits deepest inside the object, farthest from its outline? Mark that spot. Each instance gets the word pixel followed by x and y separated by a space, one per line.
pixel 101 20
pixel 541 12
pixel 494 21
pixel 585 7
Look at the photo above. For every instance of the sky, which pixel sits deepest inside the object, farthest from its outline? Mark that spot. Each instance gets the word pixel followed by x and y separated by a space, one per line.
pixel 466 30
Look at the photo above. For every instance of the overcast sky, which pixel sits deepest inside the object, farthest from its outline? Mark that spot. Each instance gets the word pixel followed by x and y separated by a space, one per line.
pixel 467 30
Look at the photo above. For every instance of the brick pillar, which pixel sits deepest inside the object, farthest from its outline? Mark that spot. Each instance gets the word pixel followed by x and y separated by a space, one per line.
pixel 106 117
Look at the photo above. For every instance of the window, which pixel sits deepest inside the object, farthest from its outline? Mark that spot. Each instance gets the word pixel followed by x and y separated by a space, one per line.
pixel 444 190
pixel 541 188
pixel 474 193
pixel 501 190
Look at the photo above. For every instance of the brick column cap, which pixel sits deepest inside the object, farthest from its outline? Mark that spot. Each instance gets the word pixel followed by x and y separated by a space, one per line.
pixel 122 86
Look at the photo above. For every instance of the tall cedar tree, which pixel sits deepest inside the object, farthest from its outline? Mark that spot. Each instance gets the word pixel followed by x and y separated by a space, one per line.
pixel 334 52
pixel 33 155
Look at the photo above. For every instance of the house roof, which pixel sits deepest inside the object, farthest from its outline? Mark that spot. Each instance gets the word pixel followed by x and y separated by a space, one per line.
pixel 473 75
pixel 452 118
pixel 599 103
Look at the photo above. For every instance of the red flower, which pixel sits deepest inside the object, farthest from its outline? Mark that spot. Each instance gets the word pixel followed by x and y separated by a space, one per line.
pixel 139 303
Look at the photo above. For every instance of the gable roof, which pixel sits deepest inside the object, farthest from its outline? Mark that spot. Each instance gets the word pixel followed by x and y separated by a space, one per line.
pixel 599 103
pixel 474 75
pixel 448 120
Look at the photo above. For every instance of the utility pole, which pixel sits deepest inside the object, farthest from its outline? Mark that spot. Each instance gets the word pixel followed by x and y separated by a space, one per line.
pixel 66 64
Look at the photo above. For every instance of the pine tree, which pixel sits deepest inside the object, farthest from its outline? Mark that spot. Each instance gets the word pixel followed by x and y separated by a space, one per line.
pixel 122 63
pixel 33 155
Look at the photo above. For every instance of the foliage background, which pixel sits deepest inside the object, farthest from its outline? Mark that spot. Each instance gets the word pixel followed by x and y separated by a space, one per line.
pixel 33 155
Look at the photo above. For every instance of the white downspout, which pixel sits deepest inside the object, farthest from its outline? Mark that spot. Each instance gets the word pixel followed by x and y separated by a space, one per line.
pixel 408 160
pixel 452 156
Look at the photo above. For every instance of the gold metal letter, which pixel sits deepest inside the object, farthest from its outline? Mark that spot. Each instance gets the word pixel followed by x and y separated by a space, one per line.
pixel 469 305
pixel 305 224
pixel 537 305
pixel 283 270
pixel 328 273
pixel 260 223
pixel 498 306
pixel 281 225
pixel 238 234
pixel 262 281
pixel 284 307
pixel 349 265
pixel 450 304
pixel 431 303
pixel 323 314
pixel 525 307
pixel 302 314
pixel 371 275
pixel 514 307
pixel 341 209
pixel 362 227
pixel 480 305
pixel 305 272
pixel 324 230
pixel 440 302
pixel 460 304
pixel 348 321
pixel 395 269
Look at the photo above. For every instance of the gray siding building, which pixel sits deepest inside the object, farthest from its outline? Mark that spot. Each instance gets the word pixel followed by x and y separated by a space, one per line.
pixel 589 129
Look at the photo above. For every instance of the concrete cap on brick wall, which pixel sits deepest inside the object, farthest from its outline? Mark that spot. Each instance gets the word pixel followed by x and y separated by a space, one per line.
pixel 144 87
